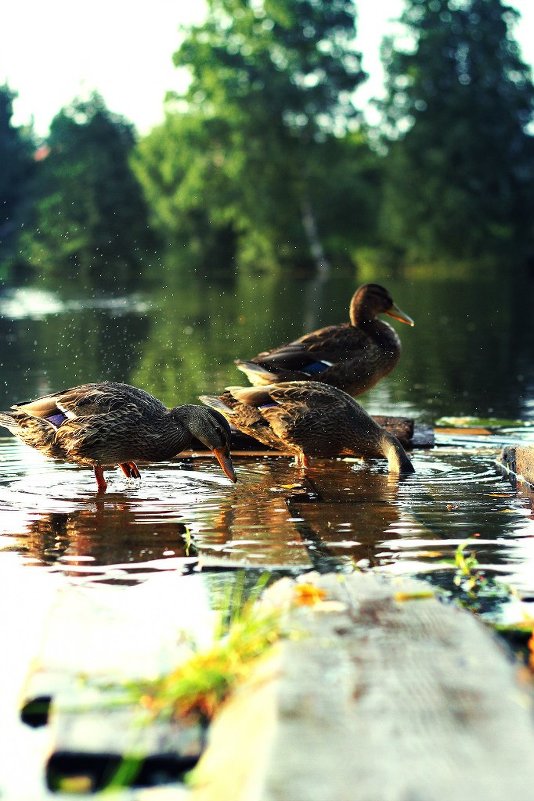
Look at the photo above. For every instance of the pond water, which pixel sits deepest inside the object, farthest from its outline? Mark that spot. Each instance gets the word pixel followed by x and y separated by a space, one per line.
pixel 469 354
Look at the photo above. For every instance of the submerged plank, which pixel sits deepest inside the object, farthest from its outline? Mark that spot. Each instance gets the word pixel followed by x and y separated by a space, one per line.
pixel 411 434
pixel 386 695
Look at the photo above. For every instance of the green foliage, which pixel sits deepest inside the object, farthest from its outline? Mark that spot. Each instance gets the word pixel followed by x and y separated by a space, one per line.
pixel 460 175
pixel 259 141
pixel 476 590
pixel 16 168
pixel 90 216
pixel 179 165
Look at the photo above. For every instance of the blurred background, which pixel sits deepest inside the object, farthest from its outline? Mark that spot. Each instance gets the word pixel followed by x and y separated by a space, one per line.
pixel 181 187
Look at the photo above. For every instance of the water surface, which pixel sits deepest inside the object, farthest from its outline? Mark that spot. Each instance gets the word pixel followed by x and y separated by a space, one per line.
pixel 151 557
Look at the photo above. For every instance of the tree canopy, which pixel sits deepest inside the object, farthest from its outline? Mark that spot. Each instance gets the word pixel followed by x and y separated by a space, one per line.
pixel 90 214
pixel 16 169
pixel 459 171
pixel 271 82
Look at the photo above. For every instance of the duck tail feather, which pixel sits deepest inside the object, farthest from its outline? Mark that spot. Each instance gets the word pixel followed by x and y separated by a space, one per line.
pixel 215 403
pixel 256 373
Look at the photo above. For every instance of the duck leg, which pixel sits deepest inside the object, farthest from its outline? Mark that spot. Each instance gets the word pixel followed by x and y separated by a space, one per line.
pixel 130 469
pixel 100 480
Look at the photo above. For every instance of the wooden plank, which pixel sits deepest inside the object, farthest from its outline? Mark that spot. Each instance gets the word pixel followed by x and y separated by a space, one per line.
pixel 92 739
pixel 400 427
pixel 411 434
pixel 96 632
pixel 471 431
pixel 381 697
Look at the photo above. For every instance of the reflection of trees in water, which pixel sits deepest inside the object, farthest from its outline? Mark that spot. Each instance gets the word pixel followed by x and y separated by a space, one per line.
pixel 71 348
pixel 199 329
pixel 102 537
pixel 469 352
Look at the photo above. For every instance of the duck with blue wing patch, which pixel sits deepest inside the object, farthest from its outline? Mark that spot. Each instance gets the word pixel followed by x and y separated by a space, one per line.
pixel 352 356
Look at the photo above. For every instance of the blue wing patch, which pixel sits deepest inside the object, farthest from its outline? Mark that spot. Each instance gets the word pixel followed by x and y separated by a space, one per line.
pixel 316 367
pixel 57 419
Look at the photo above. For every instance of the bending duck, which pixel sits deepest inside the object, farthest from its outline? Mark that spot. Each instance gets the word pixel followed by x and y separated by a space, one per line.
pixel 309 419
pixel 352 356
pixel 107 424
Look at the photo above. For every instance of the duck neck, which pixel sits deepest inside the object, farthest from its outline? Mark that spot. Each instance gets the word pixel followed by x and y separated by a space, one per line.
pixel 362 316
pixel 398 461
pixel 360 311
pixel 177 433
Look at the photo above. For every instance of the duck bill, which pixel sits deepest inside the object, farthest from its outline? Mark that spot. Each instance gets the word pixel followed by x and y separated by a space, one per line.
pixel 223 457
pixel 398 314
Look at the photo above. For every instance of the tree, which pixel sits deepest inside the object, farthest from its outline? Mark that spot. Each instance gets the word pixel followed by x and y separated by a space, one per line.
pixel 190 200
pixel 271 82
pixel 460 174
pixel 16 167
pixel 91 217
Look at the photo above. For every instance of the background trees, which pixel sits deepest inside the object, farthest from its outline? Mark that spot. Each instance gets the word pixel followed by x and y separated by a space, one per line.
pixel 459 170
pixel 90 218
pixel 16 169
pixel 264 161
pixel 272 86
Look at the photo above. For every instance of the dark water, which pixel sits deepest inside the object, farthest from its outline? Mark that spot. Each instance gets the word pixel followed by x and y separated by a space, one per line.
pixel 470 352
pixel 153 550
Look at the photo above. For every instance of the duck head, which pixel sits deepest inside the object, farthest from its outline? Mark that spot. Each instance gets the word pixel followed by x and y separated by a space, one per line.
pixel 369 300
pixel 210 428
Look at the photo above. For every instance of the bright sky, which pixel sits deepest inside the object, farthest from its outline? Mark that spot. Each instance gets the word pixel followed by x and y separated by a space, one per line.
pixel 52 52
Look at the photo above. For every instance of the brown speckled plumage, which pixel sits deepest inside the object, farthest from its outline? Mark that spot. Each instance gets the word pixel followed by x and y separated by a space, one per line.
pixel 353 356
pixel 309 419
pixel 106 424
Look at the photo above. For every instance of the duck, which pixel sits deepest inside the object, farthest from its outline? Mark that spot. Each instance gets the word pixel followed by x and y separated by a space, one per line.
pixel 351 356
pixel 101 425
pixel 309 419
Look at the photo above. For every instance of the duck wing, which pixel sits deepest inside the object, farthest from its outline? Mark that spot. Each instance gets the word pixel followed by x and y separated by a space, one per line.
pixel 91 399
pixel 246 417
pixel 290 414
pixel 318 350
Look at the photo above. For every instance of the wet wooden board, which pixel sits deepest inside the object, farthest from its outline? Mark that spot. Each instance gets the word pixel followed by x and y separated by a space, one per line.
pixel 92 633
pixel 410 434
pixel 472 431
pixel 384 696
pixel 91 740
pixel 93 641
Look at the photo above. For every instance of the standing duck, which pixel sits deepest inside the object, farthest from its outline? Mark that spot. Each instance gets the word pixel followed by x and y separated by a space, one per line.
pixel 353 356
pixel 309 419
pixel 107 424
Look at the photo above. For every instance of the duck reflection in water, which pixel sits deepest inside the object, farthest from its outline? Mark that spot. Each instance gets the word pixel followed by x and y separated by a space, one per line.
pixel 333 514
pixel 93 540
pixel 354 511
